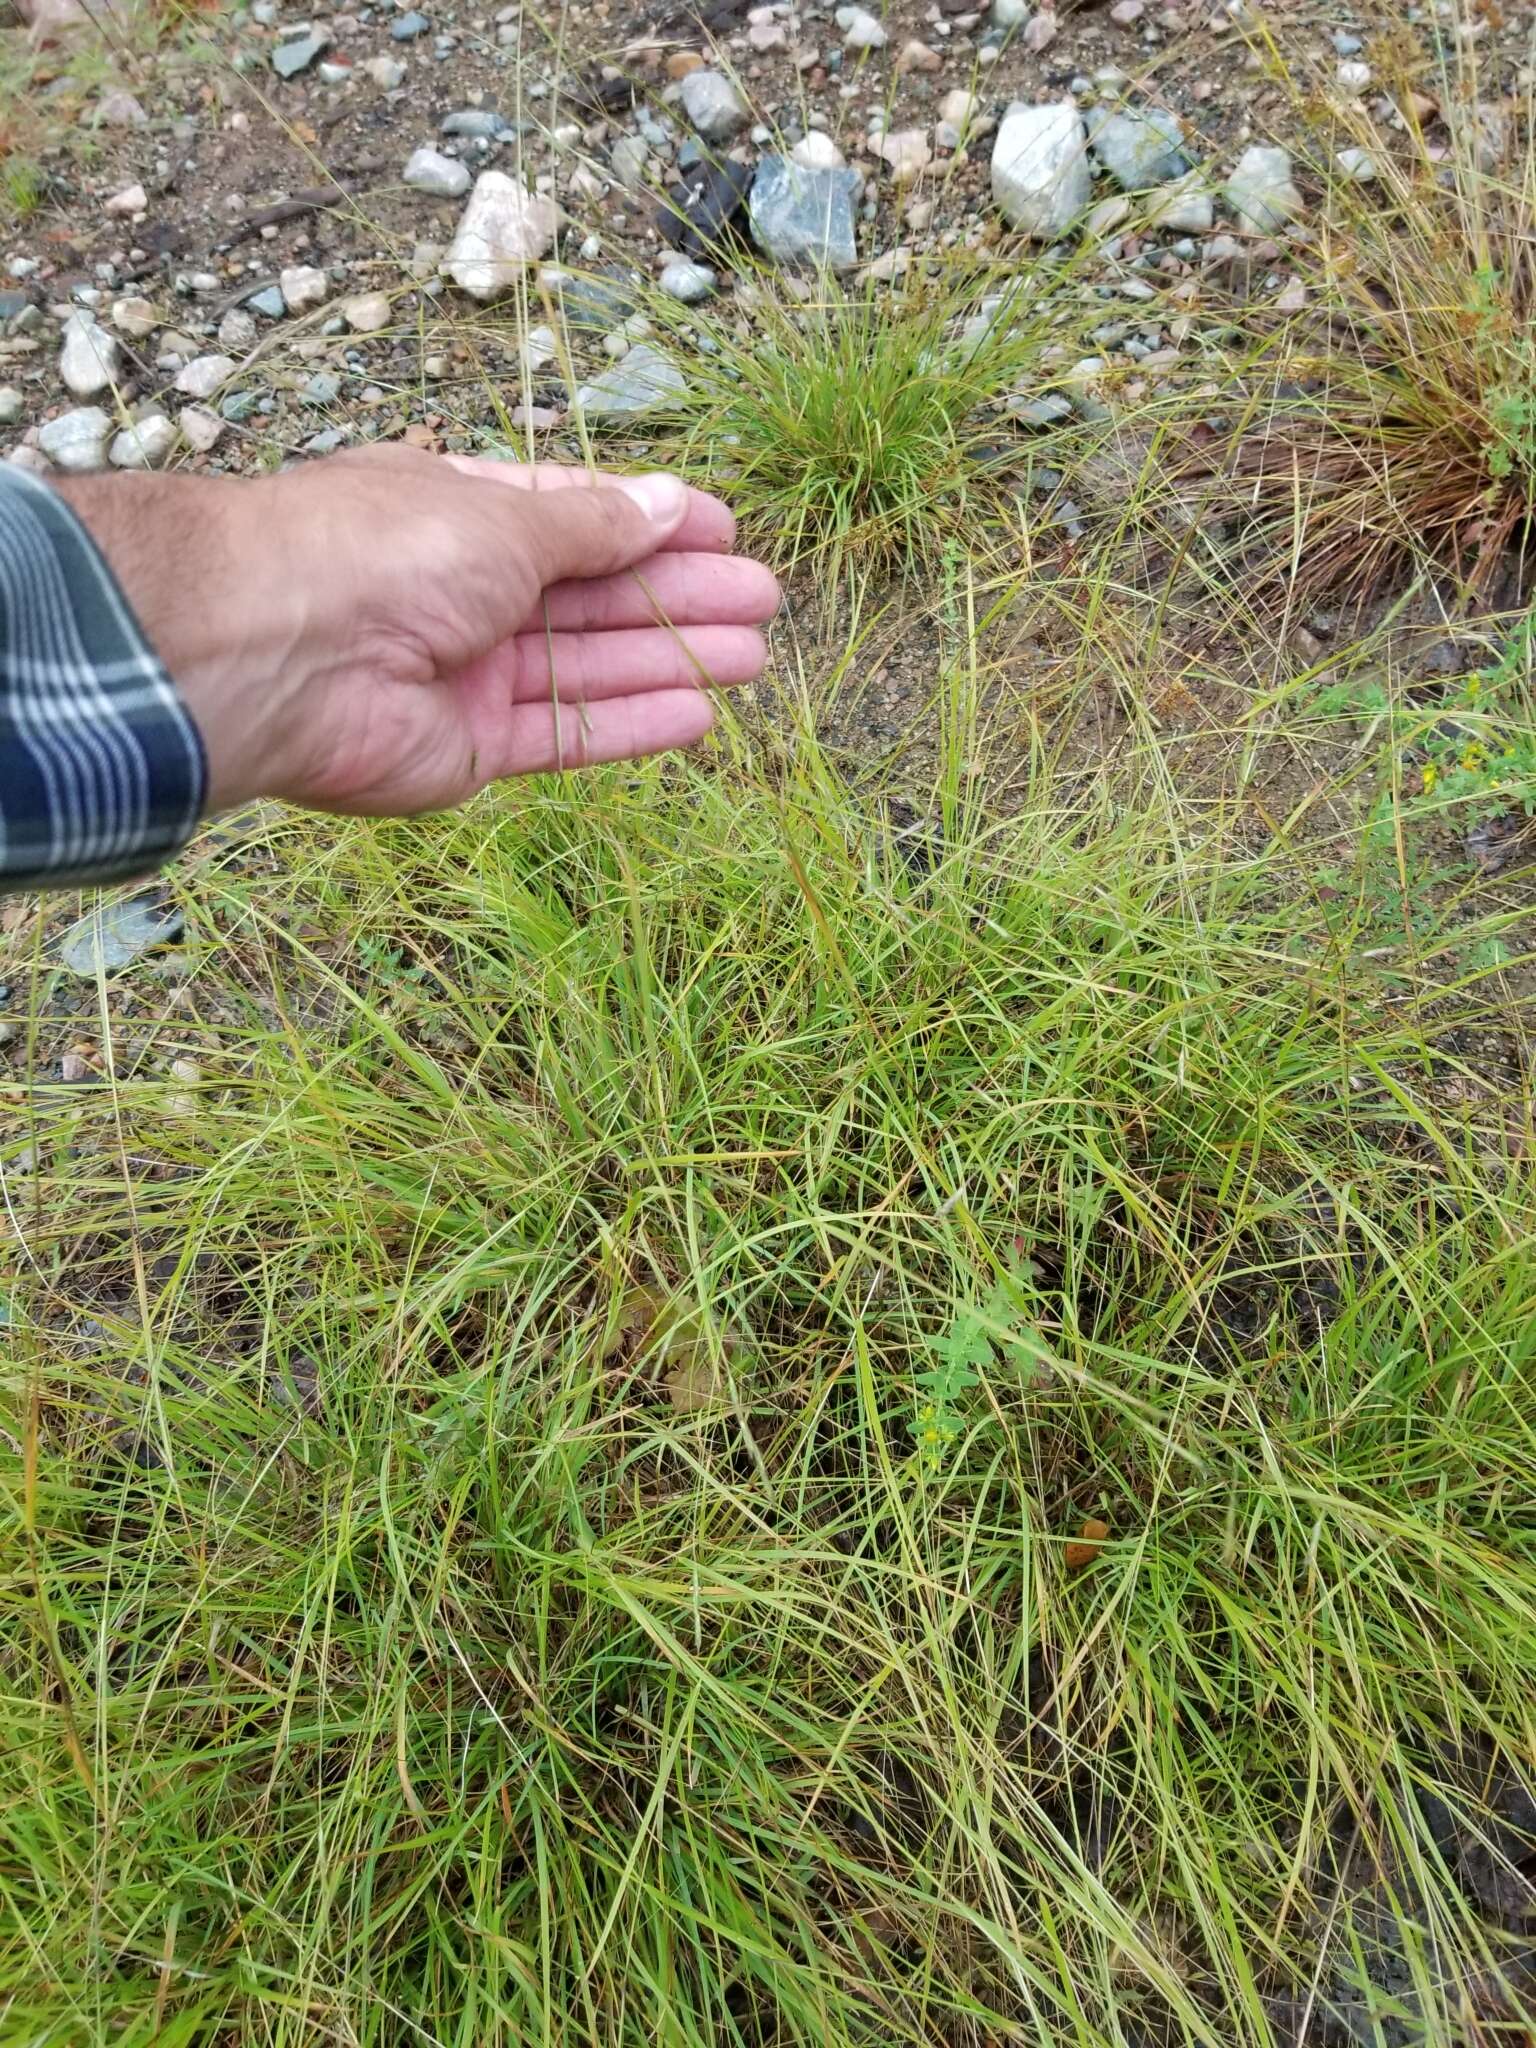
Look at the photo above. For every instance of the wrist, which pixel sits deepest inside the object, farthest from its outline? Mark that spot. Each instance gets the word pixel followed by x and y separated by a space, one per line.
pixel 178 548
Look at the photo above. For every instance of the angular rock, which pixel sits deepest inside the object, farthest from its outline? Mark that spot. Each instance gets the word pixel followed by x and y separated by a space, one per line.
pixel 387 73
pixel 816 151
pixel 116 933
pixel 76 441
pixel 1186 207
pixel 90 357
pixel 290 58
pixel 368 312
pixel 906 152
pixel 1041 31
pixel 958 109
pixel 237 330
pixel 119 109
pixel 1261 191
pixel 645 381
pixel 713 105
pixel 442 177
pixel 1041 180
pixel 504 227
pixel 147 444
pixel 702 210
pixel 861 30
pixel 304 287
pixel 12 405
pixel 478 124
pixel 1139 149
pixel 688 283
pixel 629 158
pixel 132 199
pixel 134 317
pixel 203 430
pixel 802 217
pixel 405 28
pixel 204 374
pixel 1358 165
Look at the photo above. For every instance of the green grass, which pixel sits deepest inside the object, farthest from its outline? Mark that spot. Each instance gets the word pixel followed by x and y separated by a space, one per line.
pixel 479 1580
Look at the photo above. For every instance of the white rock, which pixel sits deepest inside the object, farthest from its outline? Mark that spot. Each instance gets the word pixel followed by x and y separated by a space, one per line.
pixel 907 152
pixel 1041 31
pixel 303 287
pixel 386 72
pixel 713 105
pixel 817 152
pixel 443 177
pixel 204 374
pixel 204 430
pixel 1009 13
pixel 12 405
pixel 76 442
pixel 504 227
pixel 1261 191
pixel 368 312
pixel 687 282
pixel 90 357
pixel 132 199
pixel 237 330
pixel 1358 165
pixel 134 317
pixel 861 31
pixel 145 445
pixel 1187 206
pixel 33 460
pixel 1354 76
pixel 958 109
pixel 1041 180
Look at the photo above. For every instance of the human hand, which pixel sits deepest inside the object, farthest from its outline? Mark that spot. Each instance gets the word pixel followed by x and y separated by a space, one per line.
pixel 389 631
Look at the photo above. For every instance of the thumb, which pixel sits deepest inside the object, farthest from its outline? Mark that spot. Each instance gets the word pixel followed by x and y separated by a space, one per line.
pixel 597 529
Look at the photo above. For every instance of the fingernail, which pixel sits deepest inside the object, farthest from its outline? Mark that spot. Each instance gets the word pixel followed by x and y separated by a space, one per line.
pixel 659 497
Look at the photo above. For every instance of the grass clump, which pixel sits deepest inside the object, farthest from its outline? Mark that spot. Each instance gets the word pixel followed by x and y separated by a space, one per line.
pixel 860 427
pixel 480 1566
pixel 1392 423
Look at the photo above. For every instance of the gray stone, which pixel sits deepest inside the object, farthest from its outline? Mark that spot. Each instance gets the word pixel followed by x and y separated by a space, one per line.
pixel 1186 207
pixel 203 430
pixel 477 124
pixel 713 105
pixel 204 374
pixel 1261 191
pixel 239 406
pixel 76 441
pixel 90 357
pixel 1041 180
pixel 368 312
pixel 1049 409
pixel 147 444
pixel 115 934
pixel 1139 149
pixel 238 329
pixel 442 177
pixel 119 109
pixel 687 282
pixel 387 73
pixel 323 389
pixel 268 302
pixel 628 159
pixel 1358 165
pixel 861 30
pixel 289 59
pixel 304 287
pixel 504 227
pixel 407 27
pixel 802 217
pixel 12 405
pixel 645 381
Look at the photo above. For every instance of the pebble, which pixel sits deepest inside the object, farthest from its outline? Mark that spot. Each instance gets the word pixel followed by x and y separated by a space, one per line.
pixel 1008 14
pixel 119 109
pixel 134 317
pixel 442 177
pixel 407 27
pixel 76 441
pixel 817 152
pixel 12 405
pixel 959 108
pixel 268 302
pixel 289 59
pixel 204 374
pixel 907 153
pixel 713 105
pixel 321 390
pixel 90 357
pixel 802 216
pixel 1358 165
pixel 117 932
pixel 916 56
pixel 861 31
pixel 1041 32
pixel 1041 181
pixel 629 158
pixel 304 287
pixel 1353 76
pixel 368 313
pixel 503 228
pixel 237 330
pixel 203 430
pixel 147 444
pixel 1261 191
pixel 387 73
pixel 645 381
pixel 686 282
pixel 132 199
pixel 1187 206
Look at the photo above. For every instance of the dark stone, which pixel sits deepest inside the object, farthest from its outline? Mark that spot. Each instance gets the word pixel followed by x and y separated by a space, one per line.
pixel 702 210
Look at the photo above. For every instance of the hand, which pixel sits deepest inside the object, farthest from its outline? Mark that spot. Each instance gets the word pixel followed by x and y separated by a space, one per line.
pixel 389 631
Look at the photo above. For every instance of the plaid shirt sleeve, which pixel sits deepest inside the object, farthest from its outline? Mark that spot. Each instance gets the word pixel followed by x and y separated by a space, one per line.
pixel 102 771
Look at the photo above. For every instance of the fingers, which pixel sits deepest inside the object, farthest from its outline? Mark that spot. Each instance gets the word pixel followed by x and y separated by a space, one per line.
pixel 588 668
pixel 546 737
pixel 674 588
pixel 707 526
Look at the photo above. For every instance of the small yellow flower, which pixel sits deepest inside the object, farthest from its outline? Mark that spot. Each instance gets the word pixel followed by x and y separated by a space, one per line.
pixel 1474 758
pixel 1431 775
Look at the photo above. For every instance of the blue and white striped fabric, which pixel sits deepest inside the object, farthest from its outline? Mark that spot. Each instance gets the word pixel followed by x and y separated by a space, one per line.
pixel 102 772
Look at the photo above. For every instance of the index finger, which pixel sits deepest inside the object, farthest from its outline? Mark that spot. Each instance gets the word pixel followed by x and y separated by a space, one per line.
pixel 708 528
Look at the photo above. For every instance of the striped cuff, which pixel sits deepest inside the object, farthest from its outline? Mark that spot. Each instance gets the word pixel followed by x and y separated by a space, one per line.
pixel 102 770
